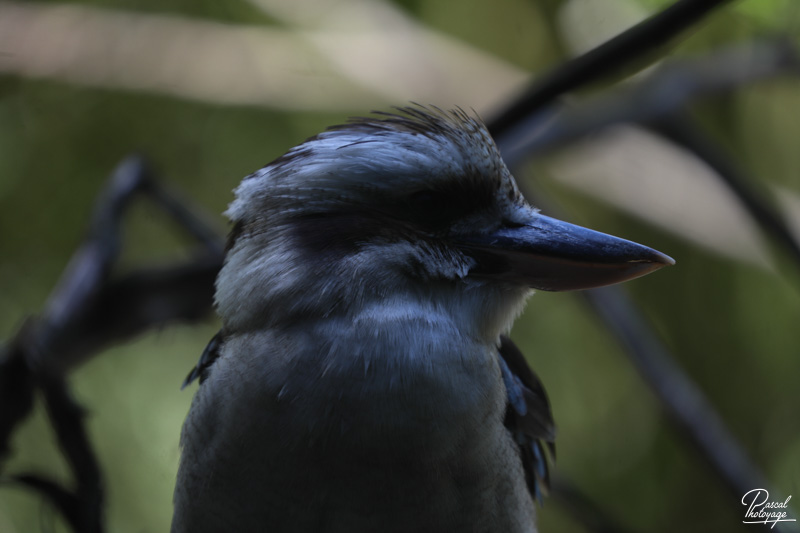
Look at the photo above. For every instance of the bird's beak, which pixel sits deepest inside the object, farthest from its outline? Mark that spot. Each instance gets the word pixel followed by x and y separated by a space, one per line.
pixel 552 255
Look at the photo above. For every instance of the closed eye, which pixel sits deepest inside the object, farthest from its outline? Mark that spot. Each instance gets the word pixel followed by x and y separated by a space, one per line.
pixel 428 200
pixel 433 209
pixel 510 224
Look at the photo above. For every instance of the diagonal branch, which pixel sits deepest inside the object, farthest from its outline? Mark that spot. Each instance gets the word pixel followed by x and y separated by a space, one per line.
pixel 661 94
pixel 599 62
pixel 89 310
pixel 680 397
pixel 683 132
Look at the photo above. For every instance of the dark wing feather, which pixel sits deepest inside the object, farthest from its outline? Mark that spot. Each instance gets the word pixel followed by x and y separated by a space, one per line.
pixel 528 417
pixel 207 358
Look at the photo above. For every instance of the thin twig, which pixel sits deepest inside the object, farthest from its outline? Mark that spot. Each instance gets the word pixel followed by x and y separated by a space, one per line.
pixel 661 94
pixel 599 62
pixel 67 419
pixel 16 386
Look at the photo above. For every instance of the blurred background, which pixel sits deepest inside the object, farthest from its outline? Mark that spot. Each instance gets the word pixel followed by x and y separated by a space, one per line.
pixel 210 91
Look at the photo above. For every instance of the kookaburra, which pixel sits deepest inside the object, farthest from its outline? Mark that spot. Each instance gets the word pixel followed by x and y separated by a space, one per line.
pixel 361 381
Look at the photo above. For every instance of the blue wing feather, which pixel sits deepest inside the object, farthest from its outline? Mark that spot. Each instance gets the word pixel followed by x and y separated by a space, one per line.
pixel 528 418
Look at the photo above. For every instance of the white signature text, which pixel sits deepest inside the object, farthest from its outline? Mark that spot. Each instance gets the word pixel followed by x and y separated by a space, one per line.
pixel 762 511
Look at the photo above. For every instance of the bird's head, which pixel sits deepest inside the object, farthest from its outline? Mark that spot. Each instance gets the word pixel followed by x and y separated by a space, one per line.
pixel 418 202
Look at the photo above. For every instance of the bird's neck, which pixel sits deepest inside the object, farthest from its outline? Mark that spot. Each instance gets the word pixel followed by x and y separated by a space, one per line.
pixel 262 287
pixel 398 376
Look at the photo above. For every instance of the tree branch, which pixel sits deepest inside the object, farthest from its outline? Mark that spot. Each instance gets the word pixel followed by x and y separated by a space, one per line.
pixel 89 310
pixel 661 94
pixel 599 62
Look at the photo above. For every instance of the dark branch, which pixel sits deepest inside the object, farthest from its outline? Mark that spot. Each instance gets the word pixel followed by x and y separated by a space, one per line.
pixel 680 130
pixel 60 498
pixel 661 94
pixel 16 386
pixel 89 310
pixel 138 302
pixel 67 419
pixel 678 395
pixel 86 297
pixel 599 62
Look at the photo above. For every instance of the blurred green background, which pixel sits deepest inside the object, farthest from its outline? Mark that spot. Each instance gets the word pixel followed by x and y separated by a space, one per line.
pixel 211 90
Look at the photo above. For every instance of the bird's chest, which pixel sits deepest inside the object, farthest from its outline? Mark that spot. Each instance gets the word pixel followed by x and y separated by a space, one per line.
pixel 370 428
pixel 369 415
pixel 377 395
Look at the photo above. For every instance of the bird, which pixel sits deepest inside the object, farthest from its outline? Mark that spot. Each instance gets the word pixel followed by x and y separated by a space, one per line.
pixel 363 378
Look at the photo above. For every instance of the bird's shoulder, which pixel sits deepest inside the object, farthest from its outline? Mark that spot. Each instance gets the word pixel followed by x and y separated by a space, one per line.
pixel 528 417
pixel 207 358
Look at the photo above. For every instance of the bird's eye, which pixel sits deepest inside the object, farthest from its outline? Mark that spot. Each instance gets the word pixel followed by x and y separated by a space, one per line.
pixel 433 209
pixel 428 200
